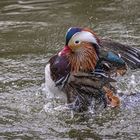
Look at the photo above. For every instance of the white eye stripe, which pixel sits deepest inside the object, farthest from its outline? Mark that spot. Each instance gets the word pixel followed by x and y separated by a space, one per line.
pixel 84 36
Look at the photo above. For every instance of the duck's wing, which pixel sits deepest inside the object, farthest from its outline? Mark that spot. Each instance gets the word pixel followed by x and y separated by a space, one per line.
pixel 129 54
pixel 82 88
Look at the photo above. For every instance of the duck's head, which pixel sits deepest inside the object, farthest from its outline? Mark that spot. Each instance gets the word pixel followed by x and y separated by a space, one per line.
pixel 77 38
pixel 81 46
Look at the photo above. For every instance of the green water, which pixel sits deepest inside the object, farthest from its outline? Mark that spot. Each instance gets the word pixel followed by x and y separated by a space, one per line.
pixel 33 30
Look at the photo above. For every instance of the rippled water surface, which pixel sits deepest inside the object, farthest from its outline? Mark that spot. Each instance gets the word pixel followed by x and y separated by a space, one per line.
pixel 33 30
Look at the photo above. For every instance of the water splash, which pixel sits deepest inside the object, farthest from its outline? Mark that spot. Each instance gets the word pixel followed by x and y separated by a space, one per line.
pixel 129 84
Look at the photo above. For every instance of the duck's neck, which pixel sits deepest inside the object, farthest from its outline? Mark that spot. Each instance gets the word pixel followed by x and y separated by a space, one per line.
pixel 83 60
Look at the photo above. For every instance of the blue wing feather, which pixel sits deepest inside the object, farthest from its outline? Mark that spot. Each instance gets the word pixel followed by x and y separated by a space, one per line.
pixel 114 58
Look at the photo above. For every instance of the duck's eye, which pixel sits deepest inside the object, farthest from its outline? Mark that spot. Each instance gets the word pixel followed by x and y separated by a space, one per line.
pixel 77 42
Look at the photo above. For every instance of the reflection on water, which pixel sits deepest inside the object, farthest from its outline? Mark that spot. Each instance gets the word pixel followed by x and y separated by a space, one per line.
pixel 30 32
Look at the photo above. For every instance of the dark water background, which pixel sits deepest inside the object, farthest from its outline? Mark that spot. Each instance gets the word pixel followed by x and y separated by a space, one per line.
pixel 30 32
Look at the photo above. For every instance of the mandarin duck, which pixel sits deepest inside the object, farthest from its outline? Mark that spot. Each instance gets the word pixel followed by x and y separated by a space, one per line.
pixel 84 69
